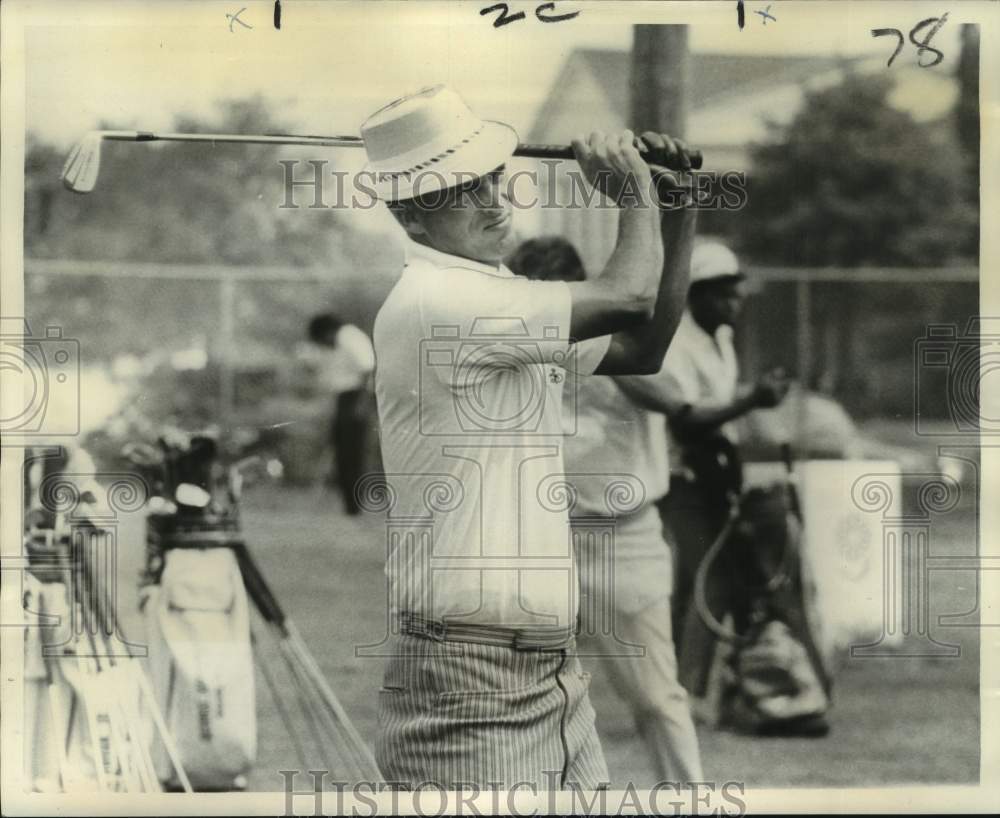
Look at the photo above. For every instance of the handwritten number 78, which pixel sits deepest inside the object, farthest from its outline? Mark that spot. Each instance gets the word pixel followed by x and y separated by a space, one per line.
pixel 922 45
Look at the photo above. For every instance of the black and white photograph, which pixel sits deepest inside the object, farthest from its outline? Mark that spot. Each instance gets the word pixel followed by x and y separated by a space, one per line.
pixel 471 408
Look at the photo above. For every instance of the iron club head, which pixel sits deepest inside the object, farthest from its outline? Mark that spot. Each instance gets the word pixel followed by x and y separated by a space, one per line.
pixel 83 163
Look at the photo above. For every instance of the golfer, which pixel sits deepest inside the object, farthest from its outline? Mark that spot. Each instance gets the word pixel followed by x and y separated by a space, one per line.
pixel 484 686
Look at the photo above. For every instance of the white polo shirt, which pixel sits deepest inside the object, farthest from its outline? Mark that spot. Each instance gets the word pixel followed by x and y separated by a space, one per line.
pixel 471 365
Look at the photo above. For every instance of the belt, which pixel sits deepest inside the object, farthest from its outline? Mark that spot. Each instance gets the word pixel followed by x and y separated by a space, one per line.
pixel 515 638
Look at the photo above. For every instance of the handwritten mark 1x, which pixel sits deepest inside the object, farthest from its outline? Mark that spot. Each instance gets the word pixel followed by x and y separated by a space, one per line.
pixel 277 14
pixel 766 15
pixel 235 18
pixel 740 14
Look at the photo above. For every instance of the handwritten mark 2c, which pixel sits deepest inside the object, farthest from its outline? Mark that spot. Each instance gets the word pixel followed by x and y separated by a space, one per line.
pixel 922 45
pixel 506 18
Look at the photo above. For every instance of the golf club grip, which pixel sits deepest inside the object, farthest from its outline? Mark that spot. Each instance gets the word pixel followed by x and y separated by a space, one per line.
pixel 652 157
pixel 258 588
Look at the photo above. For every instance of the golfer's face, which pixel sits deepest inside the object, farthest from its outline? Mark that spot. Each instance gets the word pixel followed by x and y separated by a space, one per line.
pixel 475 220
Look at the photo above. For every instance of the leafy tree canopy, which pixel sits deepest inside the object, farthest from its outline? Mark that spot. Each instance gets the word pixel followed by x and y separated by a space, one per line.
pixel 187 203
pixel 852 181
pixel 182 203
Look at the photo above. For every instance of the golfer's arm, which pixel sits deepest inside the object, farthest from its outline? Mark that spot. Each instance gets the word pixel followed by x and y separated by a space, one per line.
pixel 639 350
pixel 624 294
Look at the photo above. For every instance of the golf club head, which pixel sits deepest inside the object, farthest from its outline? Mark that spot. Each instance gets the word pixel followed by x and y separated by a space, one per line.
pixel 83 163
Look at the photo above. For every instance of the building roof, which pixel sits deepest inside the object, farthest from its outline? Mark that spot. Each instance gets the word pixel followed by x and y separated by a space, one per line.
pixel 733 97
pixel 715 78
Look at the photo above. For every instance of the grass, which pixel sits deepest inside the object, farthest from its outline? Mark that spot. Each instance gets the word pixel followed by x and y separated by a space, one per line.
pixel 895 720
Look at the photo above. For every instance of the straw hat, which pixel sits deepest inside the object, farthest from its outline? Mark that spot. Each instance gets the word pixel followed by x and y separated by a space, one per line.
pixel 429 141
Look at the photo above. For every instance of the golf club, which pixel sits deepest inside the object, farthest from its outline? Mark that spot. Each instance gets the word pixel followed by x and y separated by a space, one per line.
pixel 83 163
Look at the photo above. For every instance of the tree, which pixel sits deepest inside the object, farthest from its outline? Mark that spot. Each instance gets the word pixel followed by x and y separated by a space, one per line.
pixel 179 202
pixel 190 204
pixel 852 181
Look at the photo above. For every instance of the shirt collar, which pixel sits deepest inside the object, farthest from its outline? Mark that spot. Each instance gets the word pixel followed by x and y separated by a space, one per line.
pixel 415 250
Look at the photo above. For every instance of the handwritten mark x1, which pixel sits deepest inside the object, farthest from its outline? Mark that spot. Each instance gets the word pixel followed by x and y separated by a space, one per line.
pixel 235 18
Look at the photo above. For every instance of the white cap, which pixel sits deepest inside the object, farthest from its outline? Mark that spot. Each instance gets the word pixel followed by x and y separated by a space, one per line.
pixel 713 260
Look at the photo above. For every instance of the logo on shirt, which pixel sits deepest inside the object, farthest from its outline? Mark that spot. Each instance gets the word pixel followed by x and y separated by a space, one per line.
pixel 496 377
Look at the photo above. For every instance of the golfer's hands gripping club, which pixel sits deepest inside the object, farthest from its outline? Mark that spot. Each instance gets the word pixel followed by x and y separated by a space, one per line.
pixel 612 164
pixel 616 165
pixel 673 189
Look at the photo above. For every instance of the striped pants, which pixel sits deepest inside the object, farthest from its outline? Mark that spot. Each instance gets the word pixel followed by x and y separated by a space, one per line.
pixel 456 713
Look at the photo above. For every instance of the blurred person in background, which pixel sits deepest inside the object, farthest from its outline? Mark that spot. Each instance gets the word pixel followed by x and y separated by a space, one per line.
pixel 699 391
pixel 613 435
pixel 345 370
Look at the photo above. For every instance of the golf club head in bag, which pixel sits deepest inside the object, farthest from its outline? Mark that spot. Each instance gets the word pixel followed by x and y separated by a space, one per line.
pixel 194 502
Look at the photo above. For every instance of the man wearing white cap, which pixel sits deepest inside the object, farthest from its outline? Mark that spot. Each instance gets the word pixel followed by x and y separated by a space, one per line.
pixel 483 686
pixel 699 391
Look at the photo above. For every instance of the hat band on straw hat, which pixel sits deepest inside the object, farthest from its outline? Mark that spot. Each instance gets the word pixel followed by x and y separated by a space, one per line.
pixel 420 172
pixel 417 160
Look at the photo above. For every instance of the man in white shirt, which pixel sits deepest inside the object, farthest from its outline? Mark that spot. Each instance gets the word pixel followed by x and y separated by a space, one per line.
pixel 698 389
pixel 617 466
pixel 346 372
pixel 484 686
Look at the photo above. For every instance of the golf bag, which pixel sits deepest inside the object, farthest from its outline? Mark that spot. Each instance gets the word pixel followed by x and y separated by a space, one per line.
pixel 198 575
pixel 775 681
pixel 53 705
pixel 198 621
pixel 90 713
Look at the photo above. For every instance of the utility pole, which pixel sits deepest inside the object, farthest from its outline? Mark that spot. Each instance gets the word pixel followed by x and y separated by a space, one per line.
pixel 658 82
